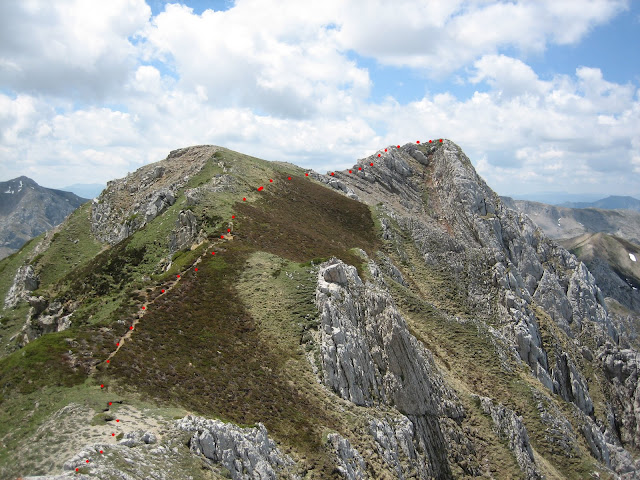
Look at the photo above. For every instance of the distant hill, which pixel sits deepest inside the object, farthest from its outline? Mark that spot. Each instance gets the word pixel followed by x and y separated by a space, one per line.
pixel 612 202
pixel 556 198
pixel 562 222
pixel 85 190
pixel 27 210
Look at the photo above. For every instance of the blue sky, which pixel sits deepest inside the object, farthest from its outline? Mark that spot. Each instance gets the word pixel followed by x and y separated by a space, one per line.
pixel 543 96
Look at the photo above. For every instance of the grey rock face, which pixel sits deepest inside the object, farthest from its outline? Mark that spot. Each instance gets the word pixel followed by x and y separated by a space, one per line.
pixel 219 183
pixel 350 462
pixel 64 476
pixel 368 354
pixel 550 296
pixel 335 184
pixel 369 357
pixel 509 425
pixel 158 203
pixel 607 449
pixel 417 154
pixel 43 318
pixel 587 301
pixel 508 266
pixel 622 367
pixel 139 461
pixel 248 453
pixel 24 281
pixel 138 437
pixel 390 269
pixel 186 231
pixel 558 431
pixel 394 442
pixel 569 383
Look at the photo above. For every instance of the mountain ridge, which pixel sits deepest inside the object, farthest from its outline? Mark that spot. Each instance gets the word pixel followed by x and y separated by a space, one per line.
pixel 374 331
pixel 612 202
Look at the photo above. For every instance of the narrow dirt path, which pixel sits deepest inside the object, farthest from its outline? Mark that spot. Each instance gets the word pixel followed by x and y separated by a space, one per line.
pixel 167 289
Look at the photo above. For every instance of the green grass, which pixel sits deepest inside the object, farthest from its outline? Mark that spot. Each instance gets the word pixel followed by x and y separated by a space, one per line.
pixel 241 364
pixel 11 324
pixel 230 372
pixel 43 362
pixel 230 340
pixel 63 256
pixel 301 220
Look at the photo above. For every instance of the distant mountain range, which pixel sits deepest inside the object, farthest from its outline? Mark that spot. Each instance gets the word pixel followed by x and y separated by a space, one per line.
pixel 582 200
pixel 562 222
pixel 610 203
pixel 27 210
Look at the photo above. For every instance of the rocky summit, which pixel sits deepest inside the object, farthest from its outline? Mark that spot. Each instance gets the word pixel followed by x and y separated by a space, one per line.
pixel 214 315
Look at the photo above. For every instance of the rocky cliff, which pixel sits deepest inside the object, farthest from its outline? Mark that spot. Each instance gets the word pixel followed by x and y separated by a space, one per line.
pixel 393 320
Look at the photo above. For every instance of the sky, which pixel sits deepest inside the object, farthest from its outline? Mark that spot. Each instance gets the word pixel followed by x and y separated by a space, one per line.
pixel 542 95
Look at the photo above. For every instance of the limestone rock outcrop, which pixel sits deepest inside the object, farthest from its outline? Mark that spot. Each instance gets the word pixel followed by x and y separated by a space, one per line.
pixel 431 196
pixel 247 453
pixel 186 231
pixel 509 426
pixel 44 318
pixel 24 281
pixel 622 367
pixel 370 358
pixel 350 462
pixel 394 443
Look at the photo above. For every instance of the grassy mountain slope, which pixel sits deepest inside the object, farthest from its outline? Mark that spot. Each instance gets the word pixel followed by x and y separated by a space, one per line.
pixel 234 339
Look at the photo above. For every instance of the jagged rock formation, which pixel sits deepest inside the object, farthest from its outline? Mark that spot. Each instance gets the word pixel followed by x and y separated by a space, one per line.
pixel 350 462
pixel 622 367
pixel 24 281
pixel 369 357
pixel 510 426
pixel 44 318
pixel 491 242
pixel 186 231
pixel 245 452
pixel 220 183
pixel 394 442
pixel 27 210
